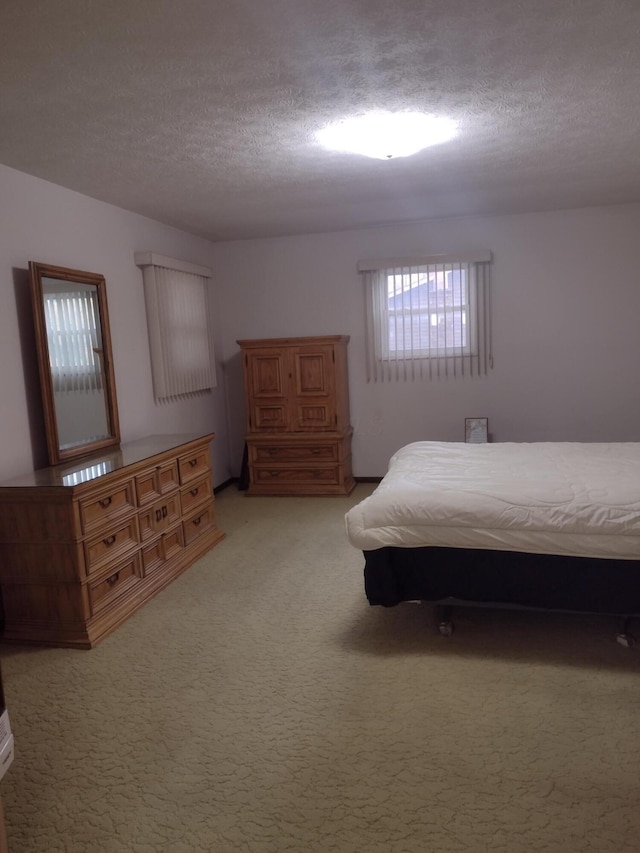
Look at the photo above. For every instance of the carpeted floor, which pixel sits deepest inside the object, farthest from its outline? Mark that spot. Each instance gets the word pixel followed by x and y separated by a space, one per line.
pixel 259 704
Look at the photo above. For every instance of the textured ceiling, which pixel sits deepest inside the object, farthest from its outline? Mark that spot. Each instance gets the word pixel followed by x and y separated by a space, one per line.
pixel 202 113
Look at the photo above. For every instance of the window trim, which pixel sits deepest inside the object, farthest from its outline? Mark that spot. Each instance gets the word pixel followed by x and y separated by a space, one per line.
pixel 386 363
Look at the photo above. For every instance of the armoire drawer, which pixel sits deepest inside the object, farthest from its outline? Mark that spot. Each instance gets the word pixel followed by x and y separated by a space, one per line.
pixel 309 453
pixel 261 476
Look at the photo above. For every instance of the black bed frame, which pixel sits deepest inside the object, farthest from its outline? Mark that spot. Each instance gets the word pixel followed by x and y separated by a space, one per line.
pixel 474 576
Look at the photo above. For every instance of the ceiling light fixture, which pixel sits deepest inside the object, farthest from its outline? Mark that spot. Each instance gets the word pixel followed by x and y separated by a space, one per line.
pixel 386 135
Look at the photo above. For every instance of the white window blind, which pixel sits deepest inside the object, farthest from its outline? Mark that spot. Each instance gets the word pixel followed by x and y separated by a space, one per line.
pixel 427 318
pixel 180 337
pixel 73 328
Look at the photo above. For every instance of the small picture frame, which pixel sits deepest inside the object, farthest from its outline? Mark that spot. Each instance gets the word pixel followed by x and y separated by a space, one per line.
pixel 476 430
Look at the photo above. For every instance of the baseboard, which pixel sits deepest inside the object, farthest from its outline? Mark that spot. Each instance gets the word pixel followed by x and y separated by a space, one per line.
pixel 224 485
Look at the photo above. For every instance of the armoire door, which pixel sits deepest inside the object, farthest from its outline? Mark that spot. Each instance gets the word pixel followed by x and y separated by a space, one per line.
pixel 267 375
pixel 313 387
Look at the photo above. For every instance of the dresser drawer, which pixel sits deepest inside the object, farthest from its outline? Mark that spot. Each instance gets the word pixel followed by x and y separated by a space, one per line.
pixel 197 493
pixel 101 550
pixel 173 542
pixel 152 556
pixel 159 516
pixel 122 579
pixel 102 508
pixel 193 466
pixel 262 476
pixel 309 453
pixel 162 549
pixel 152 484
pixel 198 524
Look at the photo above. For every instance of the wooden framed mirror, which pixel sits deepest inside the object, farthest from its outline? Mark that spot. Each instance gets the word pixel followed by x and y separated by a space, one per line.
pixel 74 359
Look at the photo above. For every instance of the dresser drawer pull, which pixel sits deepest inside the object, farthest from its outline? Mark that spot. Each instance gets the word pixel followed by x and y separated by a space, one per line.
pixel 105 502
pixel 273 451
pixel 274 473
pixel 315 451
pixel 194 492
pixel 193 462
pixel 109 540
pixel 158 514
pixel 165 511
pixel 113 579
pixel 197 521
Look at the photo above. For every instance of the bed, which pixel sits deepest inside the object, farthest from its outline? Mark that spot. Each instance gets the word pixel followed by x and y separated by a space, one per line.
pixel 552 525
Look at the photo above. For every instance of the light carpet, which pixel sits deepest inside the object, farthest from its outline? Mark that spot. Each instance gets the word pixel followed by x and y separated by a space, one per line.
pixel 260 704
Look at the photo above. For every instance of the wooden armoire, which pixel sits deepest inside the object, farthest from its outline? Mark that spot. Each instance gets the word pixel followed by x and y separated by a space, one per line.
pixel 297 403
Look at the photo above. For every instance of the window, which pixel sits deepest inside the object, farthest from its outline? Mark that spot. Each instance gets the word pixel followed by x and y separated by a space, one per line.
pixel 427 318
pixel 180 338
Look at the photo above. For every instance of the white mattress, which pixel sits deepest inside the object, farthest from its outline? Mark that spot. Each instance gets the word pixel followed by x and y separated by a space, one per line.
pixel 575 499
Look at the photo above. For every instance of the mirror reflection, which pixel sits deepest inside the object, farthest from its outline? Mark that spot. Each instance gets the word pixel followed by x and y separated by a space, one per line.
pixel 74 355
pixel 74 339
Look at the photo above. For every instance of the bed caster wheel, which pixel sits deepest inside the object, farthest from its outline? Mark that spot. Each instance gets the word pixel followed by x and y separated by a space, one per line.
pixel 625 637
pixel 445 628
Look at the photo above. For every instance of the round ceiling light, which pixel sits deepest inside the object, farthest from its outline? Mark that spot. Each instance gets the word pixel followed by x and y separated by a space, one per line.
pixel 386 135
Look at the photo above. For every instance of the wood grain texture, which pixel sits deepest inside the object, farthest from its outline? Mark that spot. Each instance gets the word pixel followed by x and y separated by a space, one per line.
pixel 75 562
pixel 297 403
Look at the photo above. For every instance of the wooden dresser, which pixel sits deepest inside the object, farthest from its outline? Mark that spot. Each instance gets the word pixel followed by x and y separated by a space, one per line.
pixel 297 402
pixel 83 546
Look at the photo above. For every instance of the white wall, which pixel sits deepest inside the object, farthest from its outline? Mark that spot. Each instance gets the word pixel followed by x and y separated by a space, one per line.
pixel 566 303
pixel 43 222
pixel 566 312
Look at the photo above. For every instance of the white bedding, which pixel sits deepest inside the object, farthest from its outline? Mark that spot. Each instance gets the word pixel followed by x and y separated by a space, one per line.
pixel 576 499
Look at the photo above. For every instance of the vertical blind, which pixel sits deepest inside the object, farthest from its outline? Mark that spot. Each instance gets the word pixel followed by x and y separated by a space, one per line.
pixel 73 325
pixel 180 337
pixel 427 318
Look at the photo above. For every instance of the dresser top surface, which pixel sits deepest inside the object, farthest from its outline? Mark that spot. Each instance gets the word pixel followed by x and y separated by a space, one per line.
pixel 99 464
